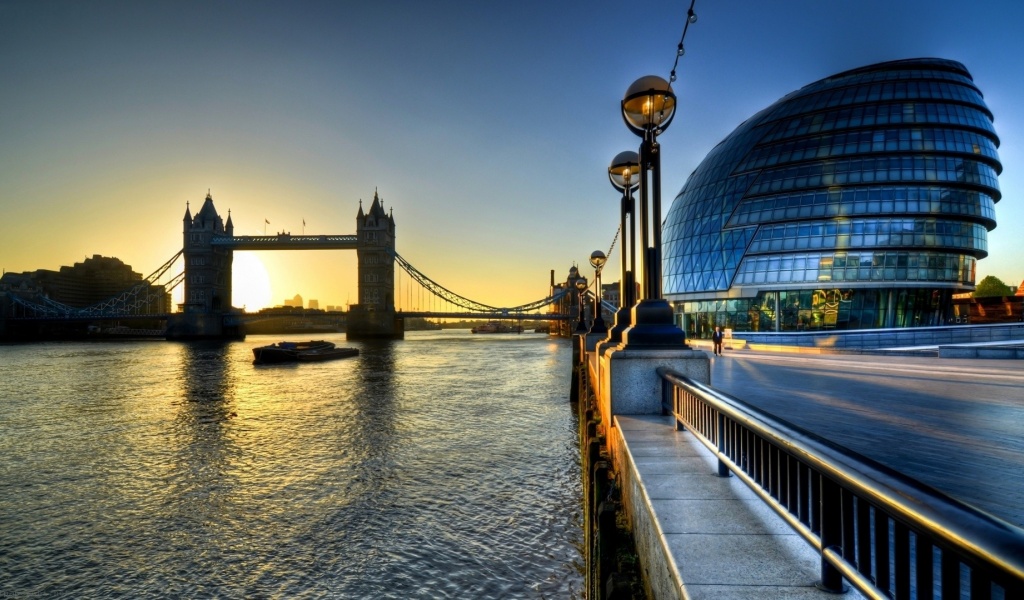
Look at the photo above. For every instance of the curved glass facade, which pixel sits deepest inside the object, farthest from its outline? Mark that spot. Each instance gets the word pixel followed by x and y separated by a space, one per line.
pixel 862 200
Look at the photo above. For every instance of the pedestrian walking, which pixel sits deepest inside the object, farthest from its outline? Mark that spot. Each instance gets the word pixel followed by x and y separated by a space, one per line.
pixel 716 339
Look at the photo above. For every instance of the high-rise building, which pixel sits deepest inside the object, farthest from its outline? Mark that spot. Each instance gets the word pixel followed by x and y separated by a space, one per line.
pixel 94 280
pixel 859 201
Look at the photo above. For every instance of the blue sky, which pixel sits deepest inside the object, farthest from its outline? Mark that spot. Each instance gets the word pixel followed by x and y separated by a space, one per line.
pixel 486 126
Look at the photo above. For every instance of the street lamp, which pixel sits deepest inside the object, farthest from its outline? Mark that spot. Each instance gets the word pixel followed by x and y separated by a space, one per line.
pixel 647 109
pixel 581 285
pixel 623 174
pixel 597 260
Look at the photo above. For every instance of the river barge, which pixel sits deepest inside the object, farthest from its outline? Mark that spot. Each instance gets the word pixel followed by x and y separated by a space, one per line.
pixel 288 351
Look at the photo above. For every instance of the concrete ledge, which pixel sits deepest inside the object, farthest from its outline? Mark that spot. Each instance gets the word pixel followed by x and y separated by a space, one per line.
pixel 996 352
pixel 883 338
pixel 630 384
pixel 700 536
pixel 790 349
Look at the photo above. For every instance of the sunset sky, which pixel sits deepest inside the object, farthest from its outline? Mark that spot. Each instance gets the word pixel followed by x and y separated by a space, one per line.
pixel 486 126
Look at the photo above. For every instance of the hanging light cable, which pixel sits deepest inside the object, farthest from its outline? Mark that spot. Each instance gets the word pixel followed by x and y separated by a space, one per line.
pixel 691 17
pixel 615 238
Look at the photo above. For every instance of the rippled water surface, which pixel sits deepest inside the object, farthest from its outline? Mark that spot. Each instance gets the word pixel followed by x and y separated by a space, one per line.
pixel 442 466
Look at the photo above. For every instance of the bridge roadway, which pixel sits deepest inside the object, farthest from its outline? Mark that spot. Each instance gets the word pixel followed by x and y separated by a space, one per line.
pixel 954 424
pixel 286 241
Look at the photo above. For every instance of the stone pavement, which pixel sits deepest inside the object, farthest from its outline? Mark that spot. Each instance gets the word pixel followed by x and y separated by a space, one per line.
pixel 721 541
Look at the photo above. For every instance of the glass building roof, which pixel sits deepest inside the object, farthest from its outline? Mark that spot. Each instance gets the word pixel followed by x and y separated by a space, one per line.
pixel 888 171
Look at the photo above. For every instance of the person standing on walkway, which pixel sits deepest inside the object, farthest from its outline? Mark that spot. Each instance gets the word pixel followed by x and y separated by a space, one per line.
pixel 716 339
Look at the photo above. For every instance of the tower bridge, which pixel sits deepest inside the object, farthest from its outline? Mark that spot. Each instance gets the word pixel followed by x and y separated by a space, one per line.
pixel 208 244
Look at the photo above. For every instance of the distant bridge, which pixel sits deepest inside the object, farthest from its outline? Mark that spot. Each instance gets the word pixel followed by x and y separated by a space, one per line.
pixel 206 274
pixel 133 302
pixel 209 272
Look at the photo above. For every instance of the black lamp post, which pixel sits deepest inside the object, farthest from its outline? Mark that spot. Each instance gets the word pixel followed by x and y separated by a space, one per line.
pixel 647 109
pixel 597 260
pixel 623 174
pixel 581 285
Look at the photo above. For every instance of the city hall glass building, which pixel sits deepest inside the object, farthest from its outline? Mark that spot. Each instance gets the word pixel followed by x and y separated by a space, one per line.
pixel 860 201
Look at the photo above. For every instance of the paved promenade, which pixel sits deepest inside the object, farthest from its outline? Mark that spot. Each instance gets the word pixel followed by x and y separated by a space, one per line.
pixel 954 424
pixel 720 541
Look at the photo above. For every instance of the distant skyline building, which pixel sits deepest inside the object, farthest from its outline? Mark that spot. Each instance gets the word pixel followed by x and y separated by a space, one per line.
pixel 92 281
pixel 860 201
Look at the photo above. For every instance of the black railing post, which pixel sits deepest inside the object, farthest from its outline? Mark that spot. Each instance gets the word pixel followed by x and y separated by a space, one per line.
pixel 723 469
pixel 950 577
pixel 830 511
pixel 576 393
pixel 667 408
pixel 924 569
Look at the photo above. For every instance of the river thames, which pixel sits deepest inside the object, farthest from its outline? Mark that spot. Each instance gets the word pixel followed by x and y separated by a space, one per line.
pixel 442 466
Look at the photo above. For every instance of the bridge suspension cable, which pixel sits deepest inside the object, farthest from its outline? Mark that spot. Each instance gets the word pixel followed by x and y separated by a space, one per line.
pixel 162 269
pixel 472 305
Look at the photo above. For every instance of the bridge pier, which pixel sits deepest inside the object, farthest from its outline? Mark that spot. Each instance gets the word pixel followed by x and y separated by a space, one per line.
pixel 201 326
pixel 367 324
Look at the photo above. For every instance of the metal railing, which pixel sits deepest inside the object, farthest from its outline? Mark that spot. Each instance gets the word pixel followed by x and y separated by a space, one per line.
pixel 885 533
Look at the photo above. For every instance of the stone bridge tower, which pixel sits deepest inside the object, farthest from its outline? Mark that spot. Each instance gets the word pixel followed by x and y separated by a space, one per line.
pixel 207 267
pixel 207 298
pixel 374 316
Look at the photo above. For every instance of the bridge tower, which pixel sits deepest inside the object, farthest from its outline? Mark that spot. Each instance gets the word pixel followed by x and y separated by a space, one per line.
pixel 374 316
pixel 207 277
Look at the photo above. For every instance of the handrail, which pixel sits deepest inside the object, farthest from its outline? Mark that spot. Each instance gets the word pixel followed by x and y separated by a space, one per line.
pixel 882 531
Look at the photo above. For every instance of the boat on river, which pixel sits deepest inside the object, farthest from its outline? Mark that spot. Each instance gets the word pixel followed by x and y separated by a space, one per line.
pixel 327 354
pixel 288 351
pixel 497 327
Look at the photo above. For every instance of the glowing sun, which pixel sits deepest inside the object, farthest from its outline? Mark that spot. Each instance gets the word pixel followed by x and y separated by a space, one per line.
pixel 250 283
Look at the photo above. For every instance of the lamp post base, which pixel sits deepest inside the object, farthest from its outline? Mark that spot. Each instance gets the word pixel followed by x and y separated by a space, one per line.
pixel 653 326
pixel 623 319
pixel 630 384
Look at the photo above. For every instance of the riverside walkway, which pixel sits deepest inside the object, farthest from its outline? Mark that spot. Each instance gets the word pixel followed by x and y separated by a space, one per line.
pixel 951 424
pixel 722 541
